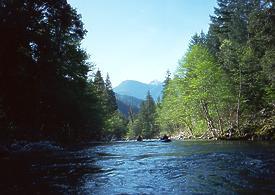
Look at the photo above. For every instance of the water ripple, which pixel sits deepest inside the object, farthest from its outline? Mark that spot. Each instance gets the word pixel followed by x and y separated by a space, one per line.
pixel 179 167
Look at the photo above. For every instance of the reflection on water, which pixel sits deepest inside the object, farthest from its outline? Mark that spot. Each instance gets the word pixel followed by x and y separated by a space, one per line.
pixel 143 167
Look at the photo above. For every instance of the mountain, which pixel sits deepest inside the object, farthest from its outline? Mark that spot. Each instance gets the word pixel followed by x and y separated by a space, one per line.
pixel 125 103
pixel 155 82
pixel 138 89
pixel 129 100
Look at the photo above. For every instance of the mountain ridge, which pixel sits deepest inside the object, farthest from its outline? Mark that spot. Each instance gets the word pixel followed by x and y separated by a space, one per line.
pixel 128 103
pixel 139 89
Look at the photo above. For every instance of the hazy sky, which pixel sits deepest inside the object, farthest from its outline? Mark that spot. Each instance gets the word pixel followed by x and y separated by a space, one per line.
pixel 140 39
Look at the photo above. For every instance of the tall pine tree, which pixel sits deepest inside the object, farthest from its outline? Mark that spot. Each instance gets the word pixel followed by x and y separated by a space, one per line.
pixel 111 95
pixel 145 123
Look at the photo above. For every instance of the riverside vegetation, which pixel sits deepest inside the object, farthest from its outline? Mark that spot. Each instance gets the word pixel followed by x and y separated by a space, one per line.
pixel 223 87
pixel 49 89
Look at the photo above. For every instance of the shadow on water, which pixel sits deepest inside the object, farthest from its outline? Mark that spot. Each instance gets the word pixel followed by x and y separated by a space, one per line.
pixel 57 171
pixel 142 167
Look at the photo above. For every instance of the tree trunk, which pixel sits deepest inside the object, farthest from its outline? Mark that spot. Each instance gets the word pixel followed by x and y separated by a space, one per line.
pixel 239 100
pixel 189 128
pixel 208 118
pixel 220 120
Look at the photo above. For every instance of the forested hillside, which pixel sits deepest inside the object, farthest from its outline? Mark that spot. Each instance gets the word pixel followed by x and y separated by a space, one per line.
pixel 224 85
pixel 127 105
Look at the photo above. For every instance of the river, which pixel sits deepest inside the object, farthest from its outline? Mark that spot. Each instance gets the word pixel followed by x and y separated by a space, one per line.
pixel 149 167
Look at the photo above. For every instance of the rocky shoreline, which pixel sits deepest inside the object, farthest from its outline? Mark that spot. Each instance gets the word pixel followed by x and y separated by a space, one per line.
pixel 270 136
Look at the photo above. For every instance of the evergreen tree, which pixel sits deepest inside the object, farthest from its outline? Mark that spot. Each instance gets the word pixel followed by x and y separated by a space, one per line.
pixel 198 39
pixel 261 27
pixel 230 20
pixel 114 124
pixel 166 83
pixel 43 76
pixel 101 92
pixel 145 124
pixel 111 95
pixel 105 93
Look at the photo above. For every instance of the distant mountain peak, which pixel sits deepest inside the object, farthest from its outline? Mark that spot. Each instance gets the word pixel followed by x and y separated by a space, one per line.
pixel 155 82
pixel 138 89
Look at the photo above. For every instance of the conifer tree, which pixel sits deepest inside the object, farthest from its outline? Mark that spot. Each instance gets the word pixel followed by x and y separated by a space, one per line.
pixel 111 95
pixel 101 92
pixel 43 76
pixel 166 83
pixel 145 123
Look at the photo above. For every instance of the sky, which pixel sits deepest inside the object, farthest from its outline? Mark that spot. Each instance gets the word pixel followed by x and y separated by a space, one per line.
pixel 140 39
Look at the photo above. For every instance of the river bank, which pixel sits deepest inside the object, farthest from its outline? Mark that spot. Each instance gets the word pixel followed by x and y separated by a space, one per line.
pixel 264 134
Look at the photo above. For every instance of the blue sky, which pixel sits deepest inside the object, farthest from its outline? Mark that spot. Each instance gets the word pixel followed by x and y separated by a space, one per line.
pixel 140 39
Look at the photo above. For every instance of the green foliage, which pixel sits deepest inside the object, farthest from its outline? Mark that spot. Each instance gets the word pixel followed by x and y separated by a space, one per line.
pixel 223 82
pixel 227 77
pixel 115 127
pixel 198 82
pixel 144 124
pixel 101 92
pixel 43 76
pixel 111 98
pixel 198 39
pixel 267 63
pixel 135 128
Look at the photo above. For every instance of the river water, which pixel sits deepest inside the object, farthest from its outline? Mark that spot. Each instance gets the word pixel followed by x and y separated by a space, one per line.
pixel 149 167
